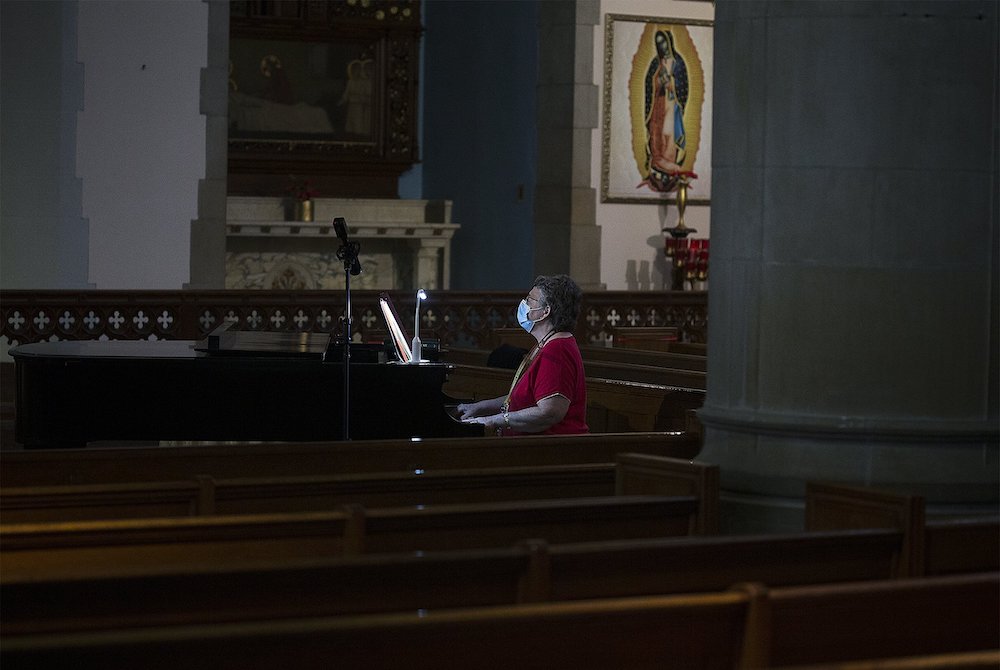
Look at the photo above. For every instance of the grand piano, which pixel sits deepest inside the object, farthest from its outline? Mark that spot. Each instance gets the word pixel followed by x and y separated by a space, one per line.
pixel 251 387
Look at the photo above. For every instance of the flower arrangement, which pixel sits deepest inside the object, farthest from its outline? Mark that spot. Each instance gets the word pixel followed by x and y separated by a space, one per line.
pixel 302 190
pixel 684 176
pixel 666 182
pixel 299 205
pixel 677 178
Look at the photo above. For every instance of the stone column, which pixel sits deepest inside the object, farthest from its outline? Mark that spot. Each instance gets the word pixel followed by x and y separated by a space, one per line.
pixel 44 237
pixel 567 239
pixel 428 266
pixel 208 231
pixel 853 306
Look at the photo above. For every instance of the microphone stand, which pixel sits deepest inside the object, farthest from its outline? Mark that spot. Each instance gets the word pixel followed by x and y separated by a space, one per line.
pixel 348 252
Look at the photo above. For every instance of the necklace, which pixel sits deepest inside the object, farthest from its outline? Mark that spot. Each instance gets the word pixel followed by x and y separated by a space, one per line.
pixel 525 362
pixel 545 338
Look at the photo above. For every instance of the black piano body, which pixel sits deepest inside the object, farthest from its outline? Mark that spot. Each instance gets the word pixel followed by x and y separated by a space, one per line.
pixel 74 392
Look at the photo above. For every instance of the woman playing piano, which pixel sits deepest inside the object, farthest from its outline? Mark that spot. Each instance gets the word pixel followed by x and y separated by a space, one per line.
pixel 549 391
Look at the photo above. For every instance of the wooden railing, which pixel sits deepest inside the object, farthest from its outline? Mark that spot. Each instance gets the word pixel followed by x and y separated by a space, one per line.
pixel 455 318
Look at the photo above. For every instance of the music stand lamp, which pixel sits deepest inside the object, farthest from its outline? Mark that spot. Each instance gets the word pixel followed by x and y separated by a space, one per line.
pixel 416 348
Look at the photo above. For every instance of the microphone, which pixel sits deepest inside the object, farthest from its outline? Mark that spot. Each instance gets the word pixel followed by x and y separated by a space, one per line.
pixel 340 227
pixel 348 251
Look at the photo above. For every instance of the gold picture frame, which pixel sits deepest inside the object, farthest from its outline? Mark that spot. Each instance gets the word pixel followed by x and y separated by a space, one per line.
pixel 657 109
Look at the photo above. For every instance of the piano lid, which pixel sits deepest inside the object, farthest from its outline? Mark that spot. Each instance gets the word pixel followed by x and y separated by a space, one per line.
pixel 225 341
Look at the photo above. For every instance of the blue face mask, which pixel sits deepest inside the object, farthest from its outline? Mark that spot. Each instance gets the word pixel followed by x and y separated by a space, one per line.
pixel 522 315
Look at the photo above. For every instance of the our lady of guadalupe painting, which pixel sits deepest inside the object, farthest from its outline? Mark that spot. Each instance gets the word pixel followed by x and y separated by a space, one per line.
pixel 657 109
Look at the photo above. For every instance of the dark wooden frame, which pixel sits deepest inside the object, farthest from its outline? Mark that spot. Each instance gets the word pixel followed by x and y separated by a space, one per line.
pixel 387 32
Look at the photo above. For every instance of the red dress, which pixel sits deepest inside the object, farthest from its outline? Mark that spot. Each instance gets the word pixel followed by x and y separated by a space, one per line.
pixel 557 369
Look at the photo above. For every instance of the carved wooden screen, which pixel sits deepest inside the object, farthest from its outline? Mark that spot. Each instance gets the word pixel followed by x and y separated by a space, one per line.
pixel 322 95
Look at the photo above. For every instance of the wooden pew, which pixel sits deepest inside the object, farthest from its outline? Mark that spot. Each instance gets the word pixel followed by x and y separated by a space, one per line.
pixel 748 626
pixel 96 547
pixel 659 359
pixel 612 405
pixel 870 620
pixel 607 363
pixel 930 548
pixel 612 569
pixel 645 374
pixel 205 495
pixel 961 660
pixel 684 631
pixel 531 572
pixel 594 354
pixel 204 593
pixel 645 474
pixel 961 545
pixel 642 338
pixel 514 337
pixel 694 348
pixel 135 464
pixel 631 474
pixel 651 338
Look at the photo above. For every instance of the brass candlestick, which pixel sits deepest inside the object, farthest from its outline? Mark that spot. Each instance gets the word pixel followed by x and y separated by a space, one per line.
pixel 676 246
pixel 305 210
pixel 680 230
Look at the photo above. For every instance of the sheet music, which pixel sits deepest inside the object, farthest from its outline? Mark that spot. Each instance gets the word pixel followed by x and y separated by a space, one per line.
pixel 395 331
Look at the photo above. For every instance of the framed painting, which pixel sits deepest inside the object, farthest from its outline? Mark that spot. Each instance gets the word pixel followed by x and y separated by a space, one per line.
pixel 657 111
pixel 323 91
pixel 286 91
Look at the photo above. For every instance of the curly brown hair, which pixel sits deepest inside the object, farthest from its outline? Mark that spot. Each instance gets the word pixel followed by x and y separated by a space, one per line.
pixel 563 297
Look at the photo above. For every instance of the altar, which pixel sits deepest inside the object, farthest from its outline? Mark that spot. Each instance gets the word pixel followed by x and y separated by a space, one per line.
pixel 405 244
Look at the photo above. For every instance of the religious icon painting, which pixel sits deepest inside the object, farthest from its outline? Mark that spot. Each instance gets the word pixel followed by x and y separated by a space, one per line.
pixel 657 116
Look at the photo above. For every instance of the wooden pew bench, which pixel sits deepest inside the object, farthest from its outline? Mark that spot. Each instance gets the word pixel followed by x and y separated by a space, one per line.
pixel 678 565
pixel 631 474
pixel 645 374
pixel 203 495
pixel 107 547
pixel 647 363
pixel 613 405
pixel 659 359
pixel 869 620
pixel 650 338
pixel 686 631
pixel 629 338
pixel 664 359
pixel 272 589
pixel 531 572
pixel 748 626
pixel 95 465
pixel 961 660
pixel 938 547
pixel 694 348
pixel 953 546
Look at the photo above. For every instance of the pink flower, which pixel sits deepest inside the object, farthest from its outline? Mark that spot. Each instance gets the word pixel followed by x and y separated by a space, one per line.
pixel 665 182
pixel 302 190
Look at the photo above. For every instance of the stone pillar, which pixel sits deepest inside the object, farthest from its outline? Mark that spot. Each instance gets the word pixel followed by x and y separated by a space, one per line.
pixel 567 239
pixel 208 231
pixel 853 306
pixel 44 237
pixel 428 266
